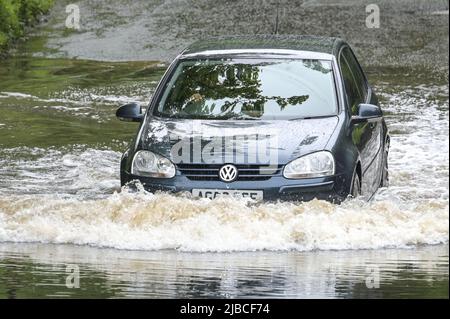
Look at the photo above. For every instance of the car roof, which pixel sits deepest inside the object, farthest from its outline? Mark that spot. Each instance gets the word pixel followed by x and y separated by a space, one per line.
pixel 315 46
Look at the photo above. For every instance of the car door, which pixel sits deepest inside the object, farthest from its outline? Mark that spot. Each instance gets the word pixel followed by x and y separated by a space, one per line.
pixel 365 136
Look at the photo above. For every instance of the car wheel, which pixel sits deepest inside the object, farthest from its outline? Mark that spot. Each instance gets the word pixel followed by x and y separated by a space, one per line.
pixel 122 179
pixel 356 186
pixel 385 171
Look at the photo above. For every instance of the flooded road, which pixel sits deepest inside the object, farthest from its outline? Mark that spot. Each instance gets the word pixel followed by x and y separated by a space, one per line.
pixel 40 270
pixel 61 202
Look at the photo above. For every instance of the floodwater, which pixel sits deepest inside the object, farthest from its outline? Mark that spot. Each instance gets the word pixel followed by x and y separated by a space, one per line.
pixel 61 204
pixel 41 270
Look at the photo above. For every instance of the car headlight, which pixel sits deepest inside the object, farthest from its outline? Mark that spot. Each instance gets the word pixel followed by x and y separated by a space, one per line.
pixel 146 163
pixel 317 164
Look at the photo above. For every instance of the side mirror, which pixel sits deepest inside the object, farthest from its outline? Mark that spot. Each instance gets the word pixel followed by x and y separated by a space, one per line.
pixel 131 112
pixel 367 112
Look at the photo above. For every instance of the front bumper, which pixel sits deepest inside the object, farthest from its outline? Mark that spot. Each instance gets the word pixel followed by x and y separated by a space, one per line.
pixel 275 188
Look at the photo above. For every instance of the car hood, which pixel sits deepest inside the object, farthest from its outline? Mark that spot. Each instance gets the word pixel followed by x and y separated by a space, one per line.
pixel 205 141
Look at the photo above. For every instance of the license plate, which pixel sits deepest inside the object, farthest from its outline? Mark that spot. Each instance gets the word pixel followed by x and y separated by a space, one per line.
pixel 213 193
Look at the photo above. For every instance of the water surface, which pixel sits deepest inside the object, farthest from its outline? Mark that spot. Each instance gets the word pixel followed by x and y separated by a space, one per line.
pixel 35 270
pixel 61 202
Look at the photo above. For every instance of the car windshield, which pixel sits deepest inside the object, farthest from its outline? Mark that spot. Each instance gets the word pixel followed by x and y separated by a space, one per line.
pixel 249 89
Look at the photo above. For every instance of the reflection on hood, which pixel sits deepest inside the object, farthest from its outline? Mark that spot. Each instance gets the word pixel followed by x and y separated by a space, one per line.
pixel 249 142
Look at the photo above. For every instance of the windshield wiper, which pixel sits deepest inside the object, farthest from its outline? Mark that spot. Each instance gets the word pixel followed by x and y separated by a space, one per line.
pixel 312 117
pixel 238 118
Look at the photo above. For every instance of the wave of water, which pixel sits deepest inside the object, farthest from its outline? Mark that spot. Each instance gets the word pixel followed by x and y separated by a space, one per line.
pixel 71 196
pixel 76 171
pixel 147 221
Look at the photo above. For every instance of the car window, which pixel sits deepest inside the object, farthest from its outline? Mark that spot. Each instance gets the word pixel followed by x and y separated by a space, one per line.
pixel 354 96
pixel 356 71
pixel 249 89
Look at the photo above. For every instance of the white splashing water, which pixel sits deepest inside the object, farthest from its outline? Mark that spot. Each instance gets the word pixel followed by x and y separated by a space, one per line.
pixel 75 171
pixel 146 221
pixel 62 200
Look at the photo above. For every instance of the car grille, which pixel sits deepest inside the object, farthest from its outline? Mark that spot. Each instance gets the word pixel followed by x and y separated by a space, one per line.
pixel 246 172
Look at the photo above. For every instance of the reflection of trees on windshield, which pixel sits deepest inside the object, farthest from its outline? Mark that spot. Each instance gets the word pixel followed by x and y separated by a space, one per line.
pixel 317 66
pixel 226 87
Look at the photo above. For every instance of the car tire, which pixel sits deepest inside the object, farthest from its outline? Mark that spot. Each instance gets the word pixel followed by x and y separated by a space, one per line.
pixel 385 171
pixel 356 186
pixel 122 179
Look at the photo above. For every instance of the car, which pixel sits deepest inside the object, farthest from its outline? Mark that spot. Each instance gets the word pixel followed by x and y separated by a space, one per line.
pixel 265 117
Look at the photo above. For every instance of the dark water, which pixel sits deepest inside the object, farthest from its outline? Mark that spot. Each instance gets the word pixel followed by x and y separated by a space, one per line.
pixel 61 205
pixel 34 270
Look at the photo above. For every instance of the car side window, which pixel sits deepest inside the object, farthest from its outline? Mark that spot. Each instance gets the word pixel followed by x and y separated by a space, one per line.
pixel 356 71
pixel 354 96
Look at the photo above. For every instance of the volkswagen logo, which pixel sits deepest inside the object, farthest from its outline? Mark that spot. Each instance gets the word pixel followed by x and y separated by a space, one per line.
pixel 228 173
